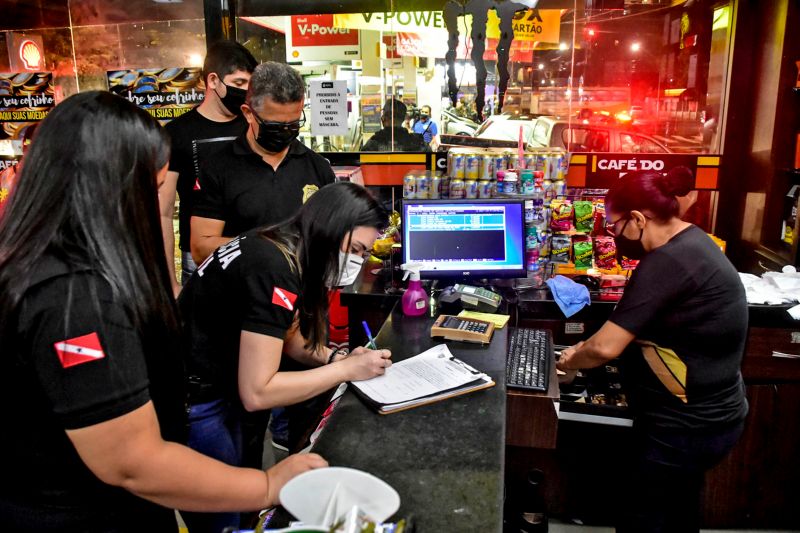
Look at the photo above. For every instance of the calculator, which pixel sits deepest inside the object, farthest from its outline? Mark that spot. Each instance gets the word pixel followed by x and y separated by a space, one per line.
pixel 462 329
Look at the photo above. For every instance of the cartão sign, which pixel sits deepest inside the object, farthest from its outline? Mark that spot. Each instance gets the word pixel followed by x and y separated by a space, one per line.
pixel 164 93
pixel 539 25
pixel 328 107
pixel 316 37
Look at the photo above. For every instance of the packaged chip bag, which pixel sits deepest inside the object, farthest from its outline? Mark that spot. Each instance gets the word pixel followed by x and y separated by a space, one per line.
pixel 559 248
pixel 584 216
pixel 583 251
pixel 605 253
pixel 561 215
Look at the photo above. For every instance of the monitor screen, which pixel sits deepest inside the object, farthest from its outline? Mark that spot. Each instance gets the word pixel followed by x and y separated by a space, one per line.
pixel 465 238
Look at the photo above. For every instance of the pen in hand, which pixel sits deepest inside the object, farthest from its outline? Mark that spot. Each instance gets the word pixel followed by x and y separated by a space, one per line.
pixel 371 344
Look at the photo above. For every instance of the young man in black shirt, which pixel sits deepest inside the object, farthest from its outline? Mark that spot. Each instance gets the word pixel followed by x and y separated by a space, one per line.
pixel 394 137
pixel 266 174
pixel 197 135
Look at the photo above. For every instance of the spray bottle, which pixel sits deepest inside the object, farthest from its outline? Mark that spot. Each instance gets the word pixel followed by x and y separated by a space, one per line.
pixel 415 299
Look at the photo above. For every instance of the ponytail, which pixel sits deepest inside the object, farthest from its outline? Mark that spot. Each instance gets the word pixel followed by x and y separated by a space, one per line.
pixel 651 192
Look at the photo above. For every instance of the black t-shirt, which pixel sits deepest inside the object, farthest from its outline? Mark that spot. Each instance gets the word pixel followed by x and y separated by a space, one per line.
pixel 240 188
pixel 69 365
pixel 195 139
pixel 686 306
pixel 403 141
pixel 246 284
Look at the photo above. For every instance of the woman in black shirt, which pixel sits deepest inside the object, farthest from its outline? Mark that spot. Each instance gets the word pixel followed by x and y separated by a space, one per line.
pixel 685 308
pixel 90 382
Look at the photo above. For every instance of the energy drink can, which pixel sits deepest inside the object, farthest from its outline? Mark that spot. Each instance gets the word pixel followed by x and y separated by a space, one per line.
pixel 457 188
pixel 444 188
pixel 409 187
pixel 423 188
pixel 473 167
pixel 470 189
pixel 499 164
pixel 530 161
pixel 513 162
pixel 459 163
pixel 486 171
pixel 484 189
pixel 436 188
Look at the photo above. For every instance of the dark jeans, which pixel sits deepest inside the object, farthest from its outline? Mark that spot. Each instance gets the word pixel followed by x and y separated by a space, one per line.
pixel 668 478
pixel 215 431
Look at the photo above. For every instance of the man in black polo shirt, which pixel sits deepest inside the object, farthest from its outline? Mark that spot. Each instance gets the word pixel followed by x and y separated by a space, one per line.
pixel 394 137
pixel 265 175
pixel 197 135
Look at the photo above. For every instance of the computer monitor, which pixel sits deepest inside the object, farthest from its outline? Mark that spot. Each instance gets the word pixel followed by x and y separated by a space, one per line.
pixel 482 238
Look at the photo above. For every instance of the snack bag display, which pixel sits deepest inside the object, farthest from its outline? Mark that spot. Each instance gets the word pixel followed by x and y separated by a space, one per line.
pixel 584 216
pixel 628 264
pixel 605 253
pixel 583 254
pixel 561 215
pixel 559 248
pixel 599 219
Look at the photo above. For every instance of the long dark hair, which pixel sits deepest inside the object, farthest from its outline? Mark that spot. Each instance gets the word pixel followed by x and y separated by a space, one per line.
pixel 311 241
pixel 87 193
pixel 654 192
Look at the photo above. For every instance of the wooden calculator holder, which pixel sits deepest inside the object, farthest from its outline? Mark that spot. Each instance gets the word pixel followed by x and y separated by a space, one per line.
pixel 437 330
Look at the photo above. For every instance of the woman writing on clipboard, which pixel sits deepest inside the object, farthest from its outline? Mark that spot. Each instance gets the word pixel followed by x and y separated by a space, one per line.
pixel 685 309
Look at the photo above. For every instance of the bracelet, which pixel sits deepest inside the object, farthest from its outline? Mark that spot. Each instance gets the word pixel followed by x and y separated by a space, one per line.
pixel 340 351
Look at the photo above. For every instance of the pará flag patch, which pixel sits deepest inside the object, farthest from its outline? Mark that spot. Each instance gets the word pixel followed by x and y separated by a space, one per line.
pixel 283 298
pixel 196 184
pixel 79 350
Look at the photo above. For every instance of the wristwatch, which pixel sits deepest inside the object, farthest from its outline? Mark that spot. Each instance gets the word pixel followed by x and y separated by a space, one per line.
pixel 341 351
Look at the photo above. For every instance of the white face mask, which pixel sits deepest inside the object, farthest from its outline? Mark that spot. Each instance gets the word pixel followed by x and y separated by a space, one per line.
pixel 349 267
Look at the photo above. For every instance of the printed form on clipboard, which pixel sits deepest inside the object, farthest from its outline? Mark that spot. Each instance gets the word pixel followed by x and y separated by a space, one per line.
pixel 429 377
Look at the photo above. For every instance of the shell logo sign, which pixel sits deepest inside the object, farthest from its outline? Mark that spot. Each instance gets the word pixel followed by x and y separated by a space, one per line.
pixel 31 55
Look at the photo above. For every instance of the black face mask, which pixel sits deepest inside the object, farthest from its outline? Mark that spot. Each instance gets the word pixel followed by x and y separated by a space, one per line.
pixel 630 248
pixel 233 99
pixel 276 136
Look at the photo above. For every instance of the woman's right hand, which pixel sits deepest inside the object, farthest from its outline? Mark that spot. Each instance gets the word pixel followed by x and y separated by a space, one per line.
pixel 280 474
pixel 366 364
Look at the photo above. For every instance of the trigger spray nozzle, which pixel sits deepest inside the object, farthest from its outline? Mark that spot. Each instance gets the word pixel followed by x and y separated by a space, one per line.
pixel 412 271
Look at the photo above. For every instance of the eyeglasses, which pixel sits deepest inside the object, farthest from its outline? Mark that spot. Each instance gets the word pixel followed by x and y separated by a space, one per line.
pixel 280 126
pixel 610 226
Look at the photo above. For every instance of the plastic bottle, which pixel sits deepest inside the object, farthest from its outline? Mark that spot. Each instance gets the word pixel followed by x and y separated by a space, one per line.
pixel 415 300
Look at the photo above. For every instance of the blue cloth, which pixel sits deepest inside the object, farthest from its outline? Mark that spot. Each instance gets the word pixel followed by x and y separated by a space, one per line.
pixel 571 297
pixel 427 129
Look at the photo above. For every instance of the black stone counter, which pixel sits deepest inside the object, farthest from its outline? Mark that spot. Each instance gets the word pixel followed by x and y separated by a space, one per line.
pixel 446 460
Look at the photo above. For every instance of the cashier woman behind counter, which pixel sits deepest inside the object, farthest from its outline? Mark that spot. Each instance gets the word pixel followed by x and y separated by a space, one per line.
pixel 685 309
pixel 264 294
pixel 91 392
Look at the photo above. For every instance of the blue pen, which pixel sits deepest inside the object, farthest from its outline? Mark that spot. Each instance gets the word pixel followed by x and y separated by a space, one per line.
pixel 371 343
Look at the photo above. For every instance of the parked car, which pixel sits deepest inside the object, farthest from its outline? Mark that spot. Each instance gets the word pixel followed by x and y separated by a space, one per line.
pixel 453 124
pixel 548 131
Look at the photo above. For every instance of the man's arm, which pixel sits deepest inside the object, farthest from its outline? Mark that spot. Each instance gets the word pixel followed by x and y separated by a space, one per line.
pixel 166 203
pixel 206 237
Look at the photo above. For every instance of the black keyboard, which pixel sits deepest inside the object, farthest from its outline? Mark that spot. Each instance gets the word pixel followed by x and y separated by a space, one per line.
pixel 528 362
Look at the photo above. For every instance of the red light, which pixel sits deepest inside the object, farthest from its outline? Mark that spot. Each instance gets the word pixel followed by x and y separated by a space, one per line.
pixel 590 32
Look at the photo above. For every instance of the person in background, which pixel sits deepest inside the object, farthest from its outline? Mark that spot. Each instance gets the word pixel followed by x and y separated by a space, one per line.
pixel 9 176
pixel 685 309
pixel 394 137
pixel 260 302
pixel 91 382
pixel 426 127
pixel 266 174
pixel 197 136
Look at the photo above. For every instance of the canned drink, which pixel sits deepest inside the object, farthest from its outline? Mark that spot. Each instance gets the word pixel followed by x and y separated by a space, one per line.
pixel 473 167
pixel 444 188
pixel 530 161
pixel 484 189
pixel 409 187
pixel 499 164
pixel 526 181
pixel 457 188
pixel 470 189
pixel 559 188
pixel 541 162
pixel 549 191
pixel 436 188
pixel 423 188
pixel 513 162
pixel 450 169
pixel 494 188
pixel 486 171
pixel 555 165
pixel 530 214
pixel 459 164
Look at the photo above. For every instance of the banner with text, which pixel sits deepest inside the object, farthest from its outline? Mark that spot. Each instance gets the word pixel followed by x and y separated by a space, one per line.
pixel 164 93
pixel 316 37
pixel 24 97
pixel 328 107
